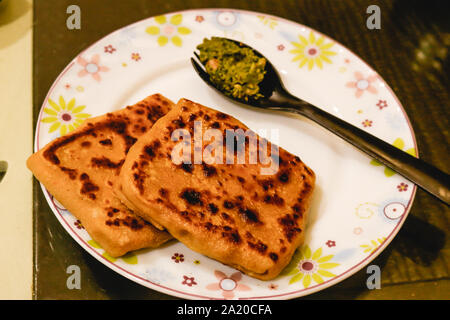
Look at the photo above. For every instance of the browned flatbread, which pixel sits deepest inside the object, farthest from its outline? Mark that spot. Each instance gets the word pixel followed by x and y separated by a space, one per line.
pixel 230 212
pixel 81 168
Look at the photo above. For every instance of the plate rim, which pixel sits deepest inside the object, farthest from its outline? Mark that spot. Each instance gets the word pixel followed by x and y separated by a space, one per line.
pixel 174 292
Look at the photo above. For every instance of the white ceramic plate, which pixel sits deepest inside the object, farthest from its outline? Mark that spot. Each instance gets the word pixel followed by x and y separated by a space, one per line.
pixel 358 206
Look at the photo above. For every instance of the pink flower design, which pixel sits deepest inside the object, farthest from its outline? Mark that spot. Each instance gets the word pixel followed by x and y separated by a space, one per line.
pixel 382 104
pixel 110 49
pixel 136 56
pixel 362 84
pixel 273 286
pixel 199 19
pixel 258 35
pixel 367 123
pixel 357 230
pixel 228 284
pixel 402 187
pixel 178 257
pixel 92 67
pixel 331 243
pixel 281 47
pixel 189 281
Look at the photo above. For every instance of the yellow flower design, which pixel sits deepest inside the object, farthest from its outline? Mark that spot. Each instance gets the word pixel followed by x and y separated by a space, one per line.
pixel 270 22
pixel 308 267
pixel 400 144
pixel 312 51
pixel 169 30
pixel 373 245
pixel 64 116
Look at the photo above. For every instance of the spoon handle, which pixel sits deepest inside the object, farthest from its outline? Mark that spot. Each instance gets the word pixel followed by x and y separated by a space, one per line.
pixel 428 177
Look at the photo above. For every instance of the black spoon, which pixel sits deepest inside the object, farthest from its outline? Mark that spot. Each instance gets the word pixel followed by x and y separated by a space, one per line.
pixel 276 97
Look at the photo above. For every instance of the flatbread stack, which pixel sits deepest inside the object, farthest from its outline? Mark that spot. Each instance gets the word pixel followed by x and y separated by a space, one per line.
pixel 81 168
pixel 229 210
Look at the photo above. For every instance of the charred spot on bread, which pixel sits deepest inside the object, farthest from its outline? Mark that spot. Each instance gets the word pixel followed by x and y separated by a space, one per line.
pixel 191 196
pixel 289 224
pixel 187 167
pixel 283 176
pixel 163 192
pixel 106 163
pixel 208 170
pixel 72 173
pixel 273 256
pixel 228 204
pixel 274 199
pixel 213 208
pixel 259 246
pixel 105 142
pixel 249 215
pixel 151 149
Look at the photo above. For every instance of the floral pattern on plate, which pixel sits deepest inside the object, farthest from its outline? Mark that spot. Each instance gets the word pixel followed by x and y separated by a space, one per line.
pixel 63 116
pixel 120 69
pixel 312 51
pixel 169 29
pixel 310 267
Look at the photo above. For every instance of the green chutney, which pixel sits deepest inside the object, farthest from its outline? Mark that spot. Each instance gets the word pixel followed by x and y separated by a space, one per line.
pixel 235 70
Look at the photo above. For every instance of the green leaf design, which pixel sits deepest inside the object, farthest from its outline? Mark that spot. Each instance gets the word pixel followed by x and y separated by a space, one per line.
pixel 399 143
pixel 94 244
pixel 176 40
pixel 328 265
pixel 375 163
pixel 326 273
pixel 161 19
pixel 50 112
pixel 153 30
pixel 130 258
pixel 62 102
pixel 306 251
pixel 372 245
pixel 108 257
pixel 296 278
pixel 412 152
pixel 388 172
pixel 54 104
pixel 184 30
pixel 176 19
pixel 162 40
pixel 78 109
pixel 306 281
pixel 71 104
pixel 49 119
pixel 325 259
pixel 291 268
pixel 54 127
pixel 317 278
pixel 316 255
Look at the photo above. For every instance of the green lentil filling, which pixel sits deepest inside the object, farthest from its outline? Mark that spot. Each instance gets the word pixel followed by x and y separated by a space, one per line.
pixel 236 71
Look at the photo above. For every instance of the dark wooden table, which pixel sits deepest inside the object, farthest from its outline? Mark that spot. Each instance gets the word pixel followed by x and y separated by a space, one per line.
pixel 410 52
